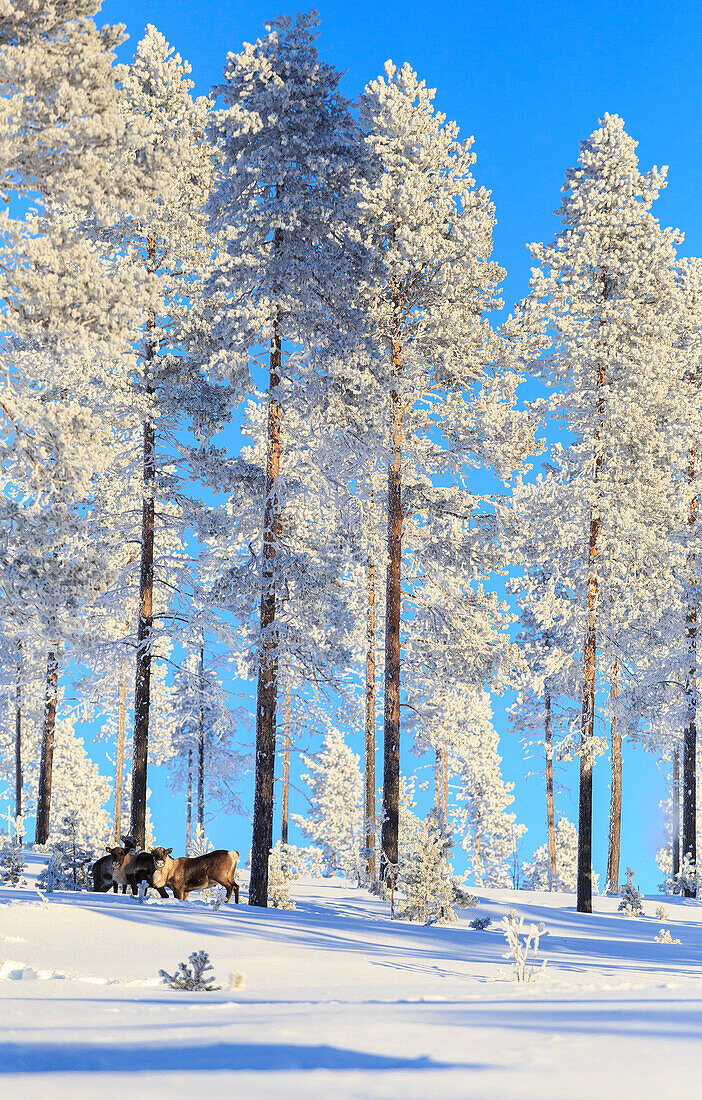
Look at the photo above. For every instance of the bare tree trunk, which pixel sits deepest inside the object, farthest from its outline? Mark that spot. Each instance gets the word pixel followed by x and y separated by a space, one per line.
pixel 47 749
pixel 18 738
pixel 689 791
pixel 615 808
pixel 267 694
pixel 119 755
pixel 444 788
pixel 369 775
pixel 286 768
pixel 189 805
pixel 201 748
pixel 142 690
pixel 393 615
pixel 676 811
pixel 437 781
pixel 550 813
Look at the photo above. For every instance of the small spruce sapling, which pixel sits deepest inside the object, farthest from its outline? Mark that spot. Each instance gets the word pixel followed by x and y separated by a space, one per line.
pixel 12 863
pixel 480 923
pixel 193 977
pixel 524 966
pixel 280 875
pixel 662 913
pixel 426 878
pixel 70 863
pixel 632 898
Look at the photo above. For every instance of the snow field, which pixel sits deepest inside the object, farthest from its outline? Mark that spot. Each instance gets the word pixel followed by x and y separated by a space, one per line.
pixel 340 1001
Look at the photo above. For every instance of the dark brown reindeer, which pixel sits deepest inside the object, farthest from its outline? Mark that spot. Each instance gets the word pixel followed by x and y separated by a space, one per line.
pixel 185 874
pixel 129 868
pixel 103 879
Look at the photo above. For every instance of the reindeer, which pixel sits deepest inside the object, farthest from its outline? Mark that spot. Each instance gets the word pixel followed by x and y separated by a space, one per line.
pixel 197 873
pixel 130 867
pixel 103 879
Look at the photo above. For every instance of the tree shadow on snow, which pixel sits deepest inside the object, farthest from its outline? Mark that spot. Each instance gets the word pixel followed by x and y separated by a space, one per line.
pixel 237 1057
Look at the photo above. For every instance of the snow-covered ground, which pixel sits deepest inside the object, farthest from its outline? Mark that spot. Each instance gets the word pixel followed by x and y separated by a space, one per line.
pixel 341 1002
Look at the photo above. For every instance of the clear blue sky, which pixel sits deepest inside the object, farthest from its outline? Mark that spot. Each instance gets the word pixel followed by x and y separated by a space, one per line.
pixel 528 80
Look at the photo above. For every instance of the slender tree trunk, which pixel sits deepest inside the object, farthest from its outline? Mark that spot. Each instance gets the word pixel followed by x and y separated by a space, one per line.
pixel 189 805
pixel 615 808
pixel 676 811
pixel 18 738
pixel 47 749
pixel 550 814
pixel 437 781
pixel 444 788
pixel 393 614
pixel 369 776
pixel 689 791
pixel 142 691
pixel 119 755
pixel 201 749
pixel 286 769
pixel 267 694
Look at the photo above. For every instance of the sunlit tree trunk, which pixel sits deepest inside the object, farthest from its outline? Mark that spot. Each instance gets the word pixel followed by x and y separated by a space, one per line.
pixel 47 749
pixel 550 812
pixel 267 693
pixel 189 805
pixel 201 747
pixel 676 811
pixel 369 769
pixel 142 689
pixel 615 809
pixel 285 802
pixel 119 754
pixel 689 784
pixel 18 737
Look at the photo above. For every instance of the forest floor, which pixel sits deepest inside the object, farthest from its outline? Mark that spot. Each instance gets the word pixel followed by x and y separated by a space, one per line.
pixel 339 1001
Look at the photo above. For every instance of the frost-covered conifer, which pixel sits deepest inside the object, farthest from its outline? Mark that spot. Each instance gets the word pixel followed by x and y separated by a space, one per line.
pixel 281 211
pixel 538 874
pixel 334 820
pixel 426 877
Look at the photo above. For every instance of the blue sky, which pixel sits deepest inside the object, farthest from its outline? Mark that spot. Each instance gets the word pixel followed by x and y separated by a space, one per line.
pixel 528 81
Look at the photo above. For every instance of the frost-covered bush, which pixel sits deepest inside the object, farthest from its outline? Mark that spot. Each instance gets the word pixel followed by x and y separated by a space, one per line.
pixel 664 936
pixel 632 898
pixel 685 882
pixel 662 913
pixel 71 860
pixel 12 864
pixel 480 923
pixel 525 969
pixel 280 875
pixel 426 879
pixel 193 977
pixel 305 861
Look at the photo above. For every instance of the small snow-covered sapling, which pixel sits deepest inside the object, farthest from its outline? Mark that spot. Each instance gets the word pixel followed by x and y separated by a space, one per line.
pixel 662 913
pixel 632 898
pixel 193 977
pixel 480 923
pixel 519 951
pixel 664 936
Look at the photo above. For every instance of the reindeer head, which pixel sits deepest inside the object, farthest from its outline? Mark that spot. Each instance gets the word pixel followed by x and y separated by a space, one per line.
pixel 118 857
pixel 160 856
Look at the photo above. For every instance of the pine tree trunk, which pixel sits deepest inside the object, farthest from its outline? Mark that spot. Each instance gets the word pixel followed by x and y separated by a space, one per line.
pixel 369 771
pixel 676 811
pixel 689 791
pixel 393 612
pixel 286 769
pixel 119 756
pixel 142 690
pixel 437 782
pixel 267 694
pixel 550 813
pixel 18 737
pixel 47 749
pixel 201 749
pixel 444 788
pixel 189 805
pixel 615 809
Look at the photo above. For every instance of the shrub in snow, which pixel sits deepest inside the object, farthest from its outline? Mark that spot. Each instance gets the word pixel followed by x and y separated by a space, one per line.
pixel 662 913
pixel 685 882
pixel 308 860
pixel 12 864
pixel 193 977
pixel 335 818
pixel 632 899
pixel 71 860
pixel 426 880
pixel 664 936
pixel 280 875
pixel 480 923
pixel 525 969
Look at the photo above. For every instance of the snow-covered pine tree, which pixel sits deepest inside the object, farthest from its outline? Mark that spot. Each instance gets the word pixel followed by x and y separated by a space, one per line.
pixel 334 820
pixel 609 498
pixel 281 209
pixel 538 873
pixel 430 354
